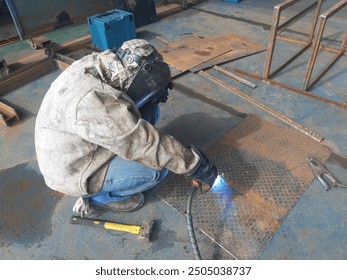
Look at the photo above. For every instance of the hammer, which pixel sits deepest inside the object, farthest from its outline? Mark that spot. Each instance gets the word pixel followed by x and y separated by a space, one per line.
pixel 143 232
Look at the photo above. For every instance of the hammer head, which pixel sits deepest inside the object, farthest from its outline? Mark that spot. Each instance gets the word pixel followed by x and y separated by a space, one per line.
pixel 146 231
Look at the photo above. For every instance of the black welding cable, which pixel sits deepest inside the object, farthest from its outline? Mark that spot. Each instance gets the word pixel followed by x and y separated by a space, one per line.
pixel 189 218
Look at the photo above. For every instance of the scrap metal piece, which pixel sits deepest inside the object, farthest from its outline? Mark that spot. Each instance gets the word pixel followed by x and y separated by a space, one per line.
pixel 7 114
pixel 266 162
pixel 196 52
pixel 192 51
pixel 239 47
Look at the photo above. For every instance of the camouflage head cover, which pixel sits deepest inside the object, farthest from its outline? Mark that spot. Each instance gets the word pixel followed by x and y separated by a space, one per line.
pixel 136 68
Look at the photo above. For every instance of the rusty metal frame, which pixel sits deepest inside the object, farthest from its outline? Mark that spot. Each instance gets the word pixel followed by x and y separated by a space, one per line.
pixel 322 47
pixel 276 28
pixel 323 21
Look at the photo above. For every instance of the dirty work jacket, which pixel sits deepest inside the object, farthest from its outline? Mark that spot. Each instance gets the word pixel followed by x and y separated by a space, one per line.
pixel 83 123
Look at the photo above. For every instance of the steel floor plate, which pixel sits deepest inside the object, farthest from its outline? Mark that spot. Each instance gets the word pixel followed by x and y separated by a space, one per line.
pixel 239 47
pixel 266 163
pixel 197 52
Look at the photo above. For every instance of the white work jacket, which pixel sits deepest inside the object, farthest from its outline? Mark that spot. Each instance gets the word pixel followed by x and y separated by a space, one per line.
pixel 83 123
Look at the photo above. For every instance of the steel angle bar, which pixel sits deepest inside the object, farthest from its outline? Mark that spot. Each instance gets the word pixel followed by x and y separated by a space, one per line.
pixel 292 89
pixel 233 76
pixel 311 63
pixel 26 74
pixel 276 29
pixel 264 107
pixel 7 113
pixel 61 61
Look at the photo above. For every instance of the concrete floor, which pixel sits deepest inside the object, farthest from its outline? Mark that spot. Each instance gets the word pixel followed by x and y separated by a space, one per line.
pixel 36 223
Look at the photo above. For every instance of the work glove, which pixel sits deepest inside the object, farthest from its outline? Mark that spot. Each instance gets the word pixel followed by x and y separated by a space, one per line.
pixel 81 207
pixel 205 171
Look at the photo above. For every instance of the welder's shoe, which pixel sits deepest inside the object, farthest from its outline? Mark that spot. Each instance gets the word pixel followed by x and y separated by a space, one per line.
pixel 130 204
pixel 82 207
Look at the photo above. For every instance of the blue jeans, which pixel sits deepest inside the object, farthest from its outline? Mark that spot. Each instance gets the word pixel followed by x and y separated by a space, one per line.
pixel 125 178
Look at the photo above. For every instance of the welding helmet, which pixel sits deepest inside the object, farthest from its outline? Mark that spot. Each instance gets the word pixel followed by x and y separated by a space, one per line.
pixel 150 75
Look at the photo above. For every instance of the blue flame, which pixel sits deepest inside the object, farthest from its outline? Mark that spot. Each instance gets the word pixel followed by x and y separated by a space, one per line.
pixel 223 195
pixel 219 184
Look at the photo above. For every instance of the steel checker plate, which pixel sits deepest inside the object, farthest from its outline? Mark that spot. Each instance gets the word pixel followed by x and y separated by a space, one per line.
pixel 239 47
pixel 266 163
pixel 192 51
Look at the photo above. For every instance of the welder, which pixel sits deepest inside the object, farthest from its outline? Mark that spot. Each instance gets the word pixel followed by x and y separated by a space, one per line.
pixel 95 134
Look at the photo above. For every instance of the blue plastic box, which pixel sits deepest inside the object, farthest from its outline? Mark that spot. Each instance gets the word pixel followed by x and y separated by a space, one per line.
pixel 111 29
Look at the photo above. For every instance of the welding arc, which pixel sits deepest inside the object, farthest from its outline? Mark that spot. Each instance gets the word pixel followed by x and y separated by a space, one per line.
pixel 190 226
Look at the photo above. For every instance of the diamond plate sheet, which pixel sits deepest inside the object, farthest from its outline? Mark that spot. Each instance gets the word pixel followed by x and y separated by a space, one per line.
pixel 266 163
pixel 192 51
pixel 239 47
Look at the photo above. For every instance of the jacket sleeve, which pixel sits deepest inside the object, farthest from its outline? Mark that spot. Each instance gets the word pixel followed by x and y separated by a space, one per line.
pixel 107 121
